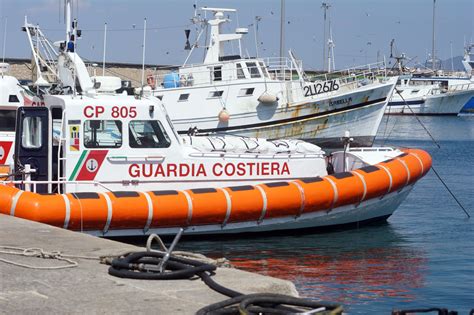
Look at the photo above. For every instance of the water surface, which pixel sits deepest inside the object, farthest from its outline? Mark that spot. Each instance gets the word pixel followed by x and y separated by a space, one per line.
pixel 422 257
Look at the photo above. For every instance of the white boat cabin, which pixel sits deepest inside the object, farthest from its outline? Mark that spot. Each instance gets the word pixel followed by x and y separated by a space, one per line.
pixel 117 142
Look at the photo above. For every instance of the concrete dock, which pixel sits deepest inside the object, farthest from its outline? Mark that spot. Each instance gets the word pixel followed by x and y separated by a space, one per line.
pixel 88 288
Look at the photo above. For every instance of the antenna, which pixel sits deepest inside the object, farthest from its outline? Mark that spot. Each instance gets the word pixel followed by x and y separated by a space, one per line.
pixel 255 25
pixel 433 47
pixel 105 46
pixel 325 6
pixel 331 45
pixel 282 28
pixel 143 53
pixel 4 40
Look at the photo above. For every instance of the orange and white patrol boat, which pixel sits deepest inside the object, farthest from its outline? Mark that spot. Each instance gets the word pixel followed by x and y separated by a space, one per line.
pixel 113 165
pixel 110 164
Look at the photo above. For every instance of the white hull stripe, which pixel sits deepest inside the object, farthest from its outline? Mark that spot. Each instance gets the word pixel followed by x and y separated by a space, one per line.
pixel 265 203
pixel 363 183
pixel 150 211
pixel 67 215
pixel 190 207
pixel 389 177
pixel 229 206
pixel 407 169
pixel 419 160
pixel 334 188
pixel 303 199
pixel 109 212
pixel 15 201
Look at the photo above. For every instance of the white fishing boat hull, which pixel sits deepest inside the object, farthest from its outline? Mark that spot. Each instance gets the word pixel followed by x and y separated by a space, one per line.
pixel 321 120
pixel 441 104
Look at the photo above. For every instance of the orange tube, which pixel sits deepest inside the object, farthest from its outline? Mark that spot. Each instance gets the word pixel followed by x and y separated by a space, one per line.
pixel 89 211
pixel 170 208
pixel 283 199
pixel 6 198
pixel 397 171
pixel 423 156
pixel 129 210
pixel 137 210
pixel 376 180
pixel 209 206
pixel 247 203
pixel 318 194
pixel 350 188
pixel 50 209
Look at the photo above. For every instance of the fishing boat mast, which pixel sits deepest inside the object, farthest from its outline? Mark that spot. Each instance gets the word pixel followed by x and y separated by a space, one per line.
pixel 433 59
pixel 282 29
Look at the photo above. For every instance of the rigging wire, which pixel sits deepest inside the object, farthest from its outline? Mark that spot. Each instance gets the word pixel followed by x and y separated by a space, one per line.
pixel 439 147
pixel 418 119
pixel 122 29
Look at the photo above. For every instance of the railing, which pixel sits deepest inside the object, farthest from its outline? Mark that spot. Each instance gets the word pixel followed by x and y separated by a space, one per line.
pixel 370 71
pixel 461 87
pixel 273 68
pixel 249 155
pixel 31 185
pixel 200 74
pixel 452 88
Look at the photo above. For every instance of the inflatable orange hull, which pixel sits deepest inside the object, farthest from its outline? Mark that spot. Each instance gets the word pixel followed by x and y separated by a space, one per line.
pixel 363 194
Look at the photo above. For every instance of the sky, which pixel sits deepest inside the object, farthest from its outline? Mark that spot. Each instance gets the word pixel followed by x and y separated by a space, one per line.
pixel 362 29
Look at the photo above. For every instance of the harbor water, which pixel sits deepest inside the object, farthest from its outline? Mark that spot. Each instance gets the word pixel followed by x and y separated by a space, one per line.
pixel 422 257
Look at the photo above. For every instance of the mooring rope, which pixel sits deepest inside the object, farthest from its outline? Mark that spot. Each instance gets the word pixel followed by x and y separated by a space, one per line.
pixel 41 253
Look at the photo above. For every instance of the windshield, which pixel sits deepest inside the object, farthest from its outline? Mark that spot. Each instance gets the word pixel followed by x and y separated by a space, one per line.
pixel 7 119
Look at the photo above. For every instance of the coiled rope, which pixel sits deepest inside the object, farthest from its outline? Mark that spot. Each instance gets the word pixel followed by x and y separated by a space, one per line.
pixel 40 253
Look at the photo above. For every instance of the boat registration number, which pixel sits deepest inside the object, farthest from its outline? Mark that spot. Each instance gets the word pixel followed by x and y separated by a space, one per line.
pixel 321 87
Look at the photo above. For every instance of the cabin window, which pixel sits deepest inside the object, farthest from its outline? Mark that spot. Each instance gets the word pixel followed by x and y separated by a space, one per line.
pixel 57 113
pixel 240 72
pixel 183 97
pixel 218 73
pixel 160 97
pixel 102 133
pixel 215 94
pixel 13 99
pixel 264 70
pixel 246 92
pixel 7 120
pixel 147 134
pixel 253 69
pixel 32 136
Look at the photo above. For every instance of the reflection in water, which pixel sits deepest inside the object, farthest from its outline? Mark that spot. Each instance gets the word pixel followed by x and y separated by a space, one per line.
pixel 348 267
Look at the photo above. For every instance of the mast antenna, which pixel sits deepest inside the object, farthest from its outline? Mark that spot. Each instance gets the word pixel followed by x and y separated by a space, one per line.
pixel 282 28
pixel 325 6
pixel 433 59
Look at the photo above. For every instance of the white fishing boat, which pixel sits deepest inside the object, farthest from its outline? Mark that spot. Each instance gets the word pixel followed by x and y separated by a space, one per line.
pixel 429 93
pixel 271 97
pixel 110 164
pixel 434 95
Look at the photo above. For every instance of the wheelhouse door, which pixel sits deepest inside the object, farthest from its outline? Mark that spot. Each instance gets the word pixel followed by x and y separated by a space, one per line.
pixel 33 145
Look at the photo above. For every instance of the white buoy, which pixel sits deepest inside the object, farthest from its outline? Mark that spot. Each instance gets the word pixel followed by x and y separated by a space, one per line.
pixel 224 116
pixel 267 98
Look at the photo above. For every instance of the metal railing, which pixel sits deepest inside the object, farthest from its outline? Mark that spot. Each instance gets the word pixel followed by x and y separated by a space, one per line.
pixel 370 71
pixel 31 185
pixel 198 74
